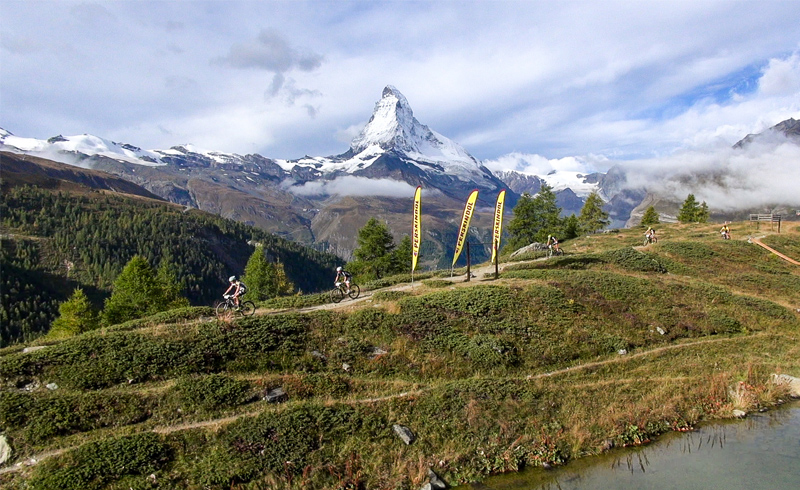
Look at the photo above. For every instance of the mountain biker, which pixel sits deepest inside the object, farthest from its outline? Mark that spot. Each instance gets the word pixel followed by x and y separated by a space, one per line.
pixel 650 234
pixel 726 232
pixel 346 276
pixel 238 287
pixel 553 242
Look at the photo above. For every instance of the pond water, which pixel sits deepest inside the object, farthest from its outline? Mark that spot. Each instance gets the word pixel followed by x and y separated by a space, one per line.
pixel 759 452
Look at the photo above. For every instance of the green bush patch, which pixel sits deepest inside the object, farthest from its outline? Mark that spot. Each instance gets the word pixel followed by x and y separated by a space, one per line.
pixel 95 464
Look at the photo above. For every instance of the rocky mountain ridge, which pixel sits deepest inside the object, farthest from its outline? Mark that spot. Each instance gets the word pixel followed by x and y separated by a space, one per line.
pixel 306 199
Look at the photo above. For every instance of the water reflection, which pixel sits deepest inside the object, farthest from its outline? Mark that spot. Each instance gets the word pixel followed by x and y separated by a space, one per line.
pixel 762 451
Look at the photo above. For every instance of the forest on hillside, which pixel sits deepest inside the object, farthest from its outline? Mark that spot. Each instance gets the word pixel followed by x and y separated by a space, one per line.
pixel 53 242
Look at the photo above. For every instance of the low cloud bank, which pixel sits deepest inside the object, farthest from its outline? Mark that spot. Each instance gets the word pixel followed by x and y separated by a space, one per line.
pixel 761 176
pixel 351 186
pixel 532 164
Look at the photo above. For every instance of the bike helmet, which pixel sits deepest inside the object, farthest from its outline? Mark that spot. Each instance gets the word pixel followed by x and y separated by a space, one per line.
pixel 232 278
pixel 339 269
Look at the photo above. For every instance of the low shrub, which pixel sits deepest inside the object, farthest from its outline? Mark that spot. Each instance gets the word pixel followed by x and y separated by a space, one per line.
pixel 689 250
pixel 478 301
pixel 390 295
pixel 317 385
pixel 95 464
pixel 253 446
pixel 437 283
pixel 483 351
pixel 296 301
pixel 39 417
pixel 348 350
pixel 166 317
pixel 211 392
pixel 633 260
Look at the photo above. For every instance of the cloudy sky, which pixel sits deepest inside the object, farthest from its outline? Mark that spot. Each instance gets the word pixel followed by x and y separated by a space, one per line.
pixel 523 84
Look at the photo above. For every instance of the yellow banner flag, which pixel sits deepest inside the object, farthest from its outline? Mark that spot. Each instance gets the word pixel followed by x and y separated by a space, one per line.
pixel 498 224
pixel 462 232
pixel 416 233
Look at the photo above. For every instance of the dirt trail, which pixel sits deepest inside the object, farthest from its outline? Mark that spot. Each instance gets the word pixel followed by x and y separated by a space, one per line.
pixel 757 241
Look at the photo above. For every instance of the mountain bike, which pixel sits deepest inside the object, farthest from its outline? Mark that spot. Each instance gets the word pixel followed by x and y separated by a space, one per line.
pixel 648 239
pixel 553 251
pixel 340 291
pixel 227 309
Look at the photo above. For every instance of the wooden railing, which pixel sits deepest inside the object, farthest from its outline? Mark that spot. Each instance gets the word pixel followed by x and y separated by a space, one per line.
pixel 766 218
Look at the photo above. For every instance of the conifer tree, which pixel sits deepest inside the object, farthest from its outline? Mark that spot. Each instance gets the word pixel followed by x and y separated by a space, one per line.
pixel 691 212
pixel 534 218
pixel 703 213
pixel 76 315
pixel 650 217
pixel 374 252
pixel 570 228
pixel 260 276
pixel 593 218
pixel 283 286
pixel 401 260
pixel 170 288
pixel 136 293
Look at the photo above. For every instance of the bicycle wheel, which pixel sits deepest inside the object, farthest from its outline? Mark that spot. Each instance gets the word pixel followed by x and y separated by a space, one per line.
pixel 354 291
pixel 337 295
pixel 223 312
pixel 248 308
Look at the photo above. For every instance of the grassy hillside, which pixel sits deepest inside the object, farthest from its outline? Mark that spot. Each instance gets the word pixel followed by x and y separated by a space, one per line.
pixel 55 241
pixel 610 345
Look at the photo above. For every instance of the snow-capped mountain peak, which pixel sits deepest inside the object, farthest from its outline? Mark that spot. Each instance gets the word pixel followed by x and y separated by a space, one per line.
pixel 64 148
pixel 392 125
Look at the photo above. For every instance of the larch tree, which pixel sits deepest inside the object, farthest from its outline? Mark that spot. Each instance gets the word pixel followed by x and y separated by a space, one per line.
pixel 535 217
pixel 136 293
pixel 373 256
pixel 260 276
pixel 401 260
pixel 692 212
pixel 76 315
pixel 650 217
pixel 592 218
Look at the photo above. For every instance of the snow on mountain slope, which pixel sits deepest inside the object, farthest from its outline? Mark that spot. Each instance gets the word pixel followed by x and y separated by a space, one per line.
pixel 84 144
pixel 394 129
pixel 563 179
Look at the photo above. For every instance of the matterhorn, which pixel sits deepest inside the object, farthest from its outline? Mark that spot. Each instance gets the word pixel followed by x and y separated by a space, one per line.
pixel 395 145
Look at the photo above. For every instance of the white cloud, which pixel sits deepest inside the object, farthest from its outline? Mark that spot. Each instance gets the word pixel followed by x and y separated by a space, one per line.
pixel 619 79
pixel 539 165
pixel 759 176
pixel 781 77
pixel 269 51
pixel 352 186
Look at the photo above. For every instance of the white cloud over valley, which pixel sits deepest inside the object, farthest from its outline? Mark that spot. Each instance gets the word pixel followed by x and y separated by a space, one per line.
pixel 351 186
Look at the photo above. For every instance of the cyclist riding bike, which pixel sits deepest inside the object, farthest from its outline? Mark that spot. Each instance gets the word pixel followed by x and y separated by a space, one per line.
pixel 552 242
pixel 650 234
pixel 238 288
pixel 345 277
pixel 725 232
